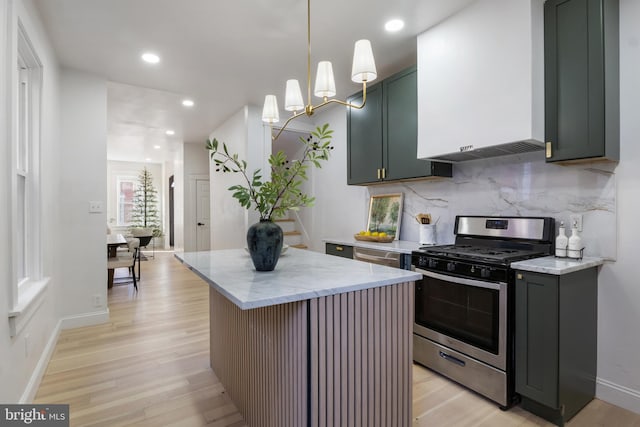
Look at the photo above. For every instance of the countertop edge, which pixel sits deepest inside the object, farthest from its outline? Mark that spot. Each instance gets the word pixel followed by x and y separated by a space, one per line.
pixel 407 276
pixel 397 246
pixel 557 266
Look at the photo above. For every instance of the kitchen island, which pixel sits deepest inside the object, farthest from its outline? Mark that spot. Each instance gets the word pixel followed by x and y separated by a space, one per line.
pixel 320 341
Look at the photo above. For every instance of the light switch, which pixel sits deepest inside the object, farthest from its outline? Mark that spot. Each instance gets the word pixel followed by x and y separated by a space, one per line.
pixel 95 207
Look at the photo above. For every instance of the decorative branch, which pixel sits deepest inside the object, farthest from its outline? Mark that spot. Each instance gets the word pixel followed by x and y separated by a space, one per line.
pixel 273 198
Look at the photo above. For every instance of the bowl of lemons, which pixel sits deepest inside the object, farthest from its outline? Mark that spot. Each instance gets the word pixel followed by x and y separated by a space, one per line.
pixel 374 236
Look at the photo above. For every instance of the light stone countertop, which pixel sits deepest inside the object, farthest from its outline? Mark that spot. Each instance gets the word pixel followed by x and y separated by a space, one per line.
pixel 556 266
pixel 399 246
pixel 300 275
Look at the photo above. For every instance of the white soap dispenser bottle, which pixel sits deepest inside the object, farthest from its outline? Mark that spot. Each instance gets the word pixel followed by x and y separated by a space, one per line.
pixel 575 243
pixel 562 241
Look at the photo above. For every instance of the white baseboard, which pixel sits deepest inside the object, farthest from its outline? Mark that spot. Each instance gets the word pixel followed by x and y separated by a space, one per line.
pixel 36 376
pixel 87 319
pixel 618 395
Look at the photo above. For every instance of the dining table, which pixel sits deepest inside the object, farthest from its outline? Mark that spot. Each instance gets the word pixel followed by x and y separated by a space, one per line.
pixel 113 241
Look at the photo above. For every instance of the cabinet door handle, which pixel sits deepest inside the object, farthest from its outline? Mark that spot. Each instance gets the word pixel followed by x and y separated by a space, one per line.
pixel 384 173
pixel 548 153
pixel 379 174
pixel 339 248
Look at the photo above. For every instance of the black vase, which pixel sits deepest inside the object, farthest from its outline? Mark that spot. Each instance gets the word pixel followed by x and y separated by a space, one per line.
pixel 264 241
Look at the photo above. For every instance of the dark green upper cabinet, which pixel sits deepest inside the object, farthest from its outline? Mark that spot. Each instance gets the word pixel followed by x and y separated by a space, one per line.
pixel 582 111
pixel 364 137
pixel 382 137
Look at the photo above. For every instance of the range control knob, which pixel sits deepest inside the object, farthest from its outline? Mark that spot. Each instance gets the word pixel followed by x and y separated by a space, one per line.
pixel 451 266
pixel 485 273
pixel 433 263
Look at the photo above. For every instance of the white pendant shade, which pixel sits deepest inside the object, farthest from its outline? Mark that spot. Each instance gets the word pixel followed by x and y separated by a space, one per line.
pixel 293 96
pixel 270 112
pixel 362 71
pixel 364 66
pixel 325 83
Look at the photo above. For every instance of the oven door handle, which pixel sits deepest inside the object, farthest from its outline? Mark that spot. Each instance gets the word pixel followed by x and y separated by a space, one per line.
pixel 461 280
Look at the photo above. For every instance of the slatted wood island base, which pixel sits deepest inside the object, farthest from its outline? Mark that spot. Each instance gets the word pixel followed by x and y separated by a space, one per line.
pixel 335 358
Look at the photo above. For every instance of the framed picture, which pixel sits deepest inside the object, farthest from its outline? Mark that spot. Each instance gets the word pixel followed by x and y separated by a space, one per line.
pixel 385 213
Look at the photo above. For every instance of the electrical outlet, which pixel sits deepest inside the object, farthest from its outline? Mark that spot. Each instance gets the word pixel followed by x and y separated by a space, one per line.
pixel 95 206
pixel 576 219
pixel 97 301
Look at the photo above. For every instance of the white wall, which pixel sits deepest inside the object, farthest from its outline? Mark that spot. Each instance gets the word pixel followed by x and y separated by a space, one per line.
pixel 162 183
pixel 73 172
pixel 83 178
pixel 228 218
pixel 177 169
pixel 619 290
pixel 339 209
pixel 24 356
pixel 196 165
pixel 245 135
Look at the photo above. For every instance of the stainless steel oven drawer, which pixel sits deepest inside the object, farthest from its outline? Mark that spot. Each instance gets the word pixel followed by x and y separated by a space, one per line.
pixel 476 375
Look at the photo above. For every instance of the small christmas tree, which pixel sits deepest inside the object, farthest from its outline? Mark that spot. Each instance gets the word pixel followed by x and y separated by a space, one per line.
pixel 145 204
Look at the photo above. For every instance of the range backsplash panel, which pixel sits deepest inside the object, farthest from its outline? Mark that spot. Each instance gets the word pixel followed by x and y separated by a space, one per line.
pixel 521 185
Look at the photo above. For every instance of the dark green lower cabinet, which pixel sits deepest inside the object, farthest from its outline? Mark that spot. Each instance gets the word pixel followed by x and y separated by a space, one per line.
pixel 344 251
pixel 556 342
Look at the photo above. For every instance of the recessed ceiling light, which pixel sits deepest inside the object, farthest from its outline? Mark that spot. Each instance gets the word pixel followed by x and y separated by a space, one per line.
pixel 187 103
pixel 148 159
pixel 151 58
pixel 170 132
pixel 394 25
pixel 157 147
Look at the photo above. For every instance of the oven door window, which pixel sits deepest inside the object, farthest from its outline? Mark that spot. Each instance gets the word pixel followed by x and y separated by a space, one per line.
pixel 467 313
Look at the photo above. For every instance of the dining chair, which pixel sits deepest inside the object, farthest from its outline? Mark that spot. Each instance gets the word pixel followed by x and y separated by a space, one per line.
pixel 145 235
pixel 127 261
pixel 126 249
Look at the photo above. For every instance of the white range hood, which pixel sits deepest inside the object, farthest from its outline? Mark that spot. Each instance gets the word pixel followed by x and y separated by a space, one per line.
pixel 481 82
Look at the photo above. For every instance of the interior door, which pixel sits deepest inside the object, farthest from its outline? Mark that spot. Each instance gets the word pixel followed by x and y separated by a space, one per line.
pixel 203 224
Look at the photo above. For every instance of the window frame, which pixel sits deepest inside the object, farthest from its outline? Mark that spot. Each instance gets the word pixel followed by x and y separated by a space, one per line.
pixel 120 179
pixel 25 123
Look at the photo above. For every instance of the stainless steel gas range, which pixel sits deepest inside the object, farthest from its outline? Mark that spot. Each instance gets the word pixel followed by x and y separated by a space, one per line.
pixel 464 304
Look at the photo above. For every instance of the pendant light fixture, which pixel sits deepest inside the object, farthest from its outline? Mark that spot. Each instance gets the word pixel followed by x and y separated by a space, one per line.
pixel 363 71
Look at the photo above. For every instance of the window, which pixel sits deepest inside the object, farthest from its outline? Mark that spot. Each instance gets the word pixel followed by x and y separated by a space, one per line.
pixel 126 189
pixel 25 182
pixel 26 186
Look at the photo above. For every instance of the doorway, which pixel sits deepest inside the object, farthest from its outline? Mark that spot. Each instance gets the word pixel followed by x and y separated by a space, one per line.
pixel 203 220
pixel 171 220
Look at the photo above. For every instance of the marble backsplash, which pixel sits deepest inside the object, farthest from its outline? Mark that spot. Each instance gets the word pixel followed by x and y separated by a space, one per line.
pixel 517 185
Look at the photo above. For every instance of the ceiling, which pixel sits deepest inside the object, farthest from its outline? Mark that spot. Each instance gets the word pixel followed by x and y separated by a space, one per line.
pixel 223 54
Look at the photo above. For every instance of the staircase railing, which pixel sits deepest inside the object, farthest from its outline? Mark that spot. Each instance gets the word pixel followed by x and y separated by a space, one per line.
pixel 307 239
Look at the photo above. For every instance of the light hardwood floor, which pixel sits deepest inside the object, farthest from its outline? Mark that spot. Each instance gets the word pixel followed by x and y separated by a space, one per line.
pixel 149 366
